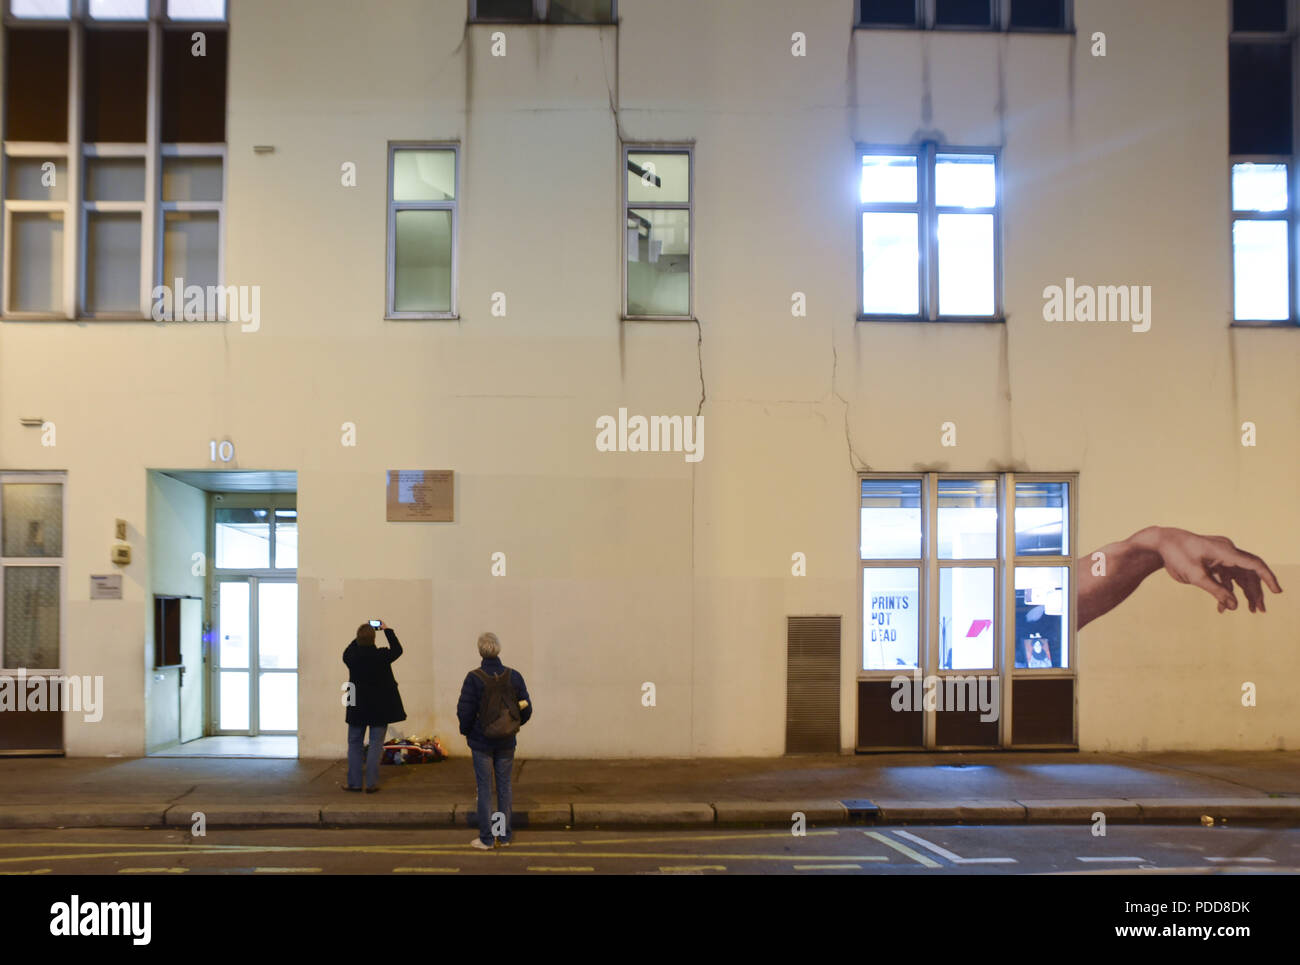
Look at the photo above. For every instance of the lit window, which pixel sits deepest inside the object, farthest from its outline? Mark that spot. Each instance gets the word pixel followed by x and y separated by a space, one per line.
pixel 657 259
pixel 929 230
pixel 422 231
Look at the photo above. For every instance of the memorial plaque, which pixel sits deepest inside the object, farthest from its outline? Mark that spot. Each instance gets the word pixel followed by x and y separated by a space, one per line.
pixel 421 495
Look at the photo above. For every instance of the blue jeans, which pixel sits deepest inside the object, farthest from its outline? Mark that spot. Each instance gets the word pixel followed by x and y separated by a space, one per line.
pixel 355 736
pixel 485 763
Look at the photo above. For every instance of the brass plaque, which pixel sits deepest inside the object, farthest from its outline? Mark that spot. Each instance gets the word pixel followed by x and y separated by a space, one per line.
pixel 421 496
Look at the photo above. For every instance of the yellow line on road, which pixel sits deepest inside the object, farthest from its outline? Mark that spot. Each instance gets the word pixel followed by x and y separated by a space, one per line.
pixel 38 871
pixel 903 849
pixel 152 871
pixel 417 870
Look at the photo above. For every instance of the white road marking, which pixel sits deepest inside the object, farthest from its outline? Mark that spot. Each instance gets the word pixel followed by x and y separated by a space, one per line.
pixel 285 871
pixel 1244 860
pixel 152 871
pixel 903 849
pixel 692 867
pixel 1138 860
pixel 945 853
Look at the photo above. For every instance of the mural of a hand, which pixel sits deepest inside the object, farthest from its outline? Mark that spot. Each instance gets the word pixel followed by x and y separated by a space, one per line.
pixel 1214 564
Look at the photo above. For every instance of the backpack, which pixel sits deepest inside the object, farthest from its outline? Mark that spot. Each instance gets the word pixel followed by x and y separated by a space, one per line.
pixel 498 709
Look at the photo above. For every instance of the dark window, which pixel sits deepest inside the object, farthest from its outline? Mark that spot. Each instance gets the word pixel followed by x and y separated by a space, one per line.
pixel 581 11
pixel 1038 14
pixel 36 85
pixel 963 13
pixel 115 86
pixel 166 631
pixel 1259 99
pixel 193 88
pixel 1259 15
pixel 900 12
pixel 504 10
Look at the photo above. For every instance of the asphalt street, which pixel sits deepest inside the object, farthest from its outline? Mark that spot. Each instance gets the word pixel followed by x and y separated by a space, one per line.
pixel 910 850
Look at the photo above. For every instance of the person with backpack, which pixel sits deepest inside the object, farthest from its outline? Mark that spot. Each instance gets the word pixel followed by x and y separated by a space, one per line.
pixel 493 705
pixel 374 701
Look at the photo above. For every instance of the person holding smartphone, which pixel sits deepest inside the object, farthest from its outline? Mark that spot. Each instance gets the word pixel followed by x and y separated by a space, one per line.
pixel 374 701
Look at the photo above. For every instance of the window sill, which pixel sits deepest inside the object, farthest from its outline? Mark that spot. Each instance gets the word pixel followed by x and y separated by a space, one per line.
pixel 942 320
pixel 1286 323
pixel 422 318
pixel 957 28
pixel 658 318
pixel 92 319
pixel 542 23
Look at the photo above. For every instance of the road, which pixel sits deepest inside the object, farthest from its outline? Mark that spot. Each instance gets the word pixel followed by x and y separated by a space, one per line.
pixel 912 850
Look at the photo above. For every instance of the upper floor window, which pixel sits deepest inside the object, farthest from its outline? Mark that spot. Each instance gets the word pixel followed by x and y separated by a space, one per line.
pixel 658 205
pixel 422 230
pixel 542 11
pixel 1030 15
pixel 928 244
pixel 1261 136
pixel 101 206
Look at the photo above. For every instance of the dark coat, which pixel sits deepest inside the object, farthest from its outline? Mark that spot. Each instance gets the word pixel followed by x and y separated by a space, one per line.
pixel 370 670
pixel 471 695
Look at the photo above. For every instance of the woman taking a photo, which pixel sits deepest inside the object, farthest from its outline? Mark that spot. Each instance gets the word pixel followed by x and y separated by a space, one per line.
pixel 374 701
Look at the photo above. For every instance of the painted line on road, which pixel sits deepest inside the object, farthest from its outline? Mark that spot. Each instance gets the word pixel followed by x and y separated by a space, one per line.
pixel 418 870
pixel 152 871
pixel 285 871
pixel 549 868
pixel 37 871
pixel 655 836
pixel 903 849
pixel 692 867
pixel 1126 858
pixel 1244 860
pixel 945 853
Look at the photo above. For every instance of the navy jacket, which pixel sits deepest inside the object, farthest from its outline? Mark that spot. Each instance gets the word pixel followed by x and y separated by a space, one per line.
pixel 471 694
pixel 370 669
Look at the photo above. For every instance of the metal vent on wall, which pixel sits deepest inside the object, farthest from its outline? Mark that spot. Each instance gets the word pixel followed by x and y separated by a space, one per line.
pixel 812 692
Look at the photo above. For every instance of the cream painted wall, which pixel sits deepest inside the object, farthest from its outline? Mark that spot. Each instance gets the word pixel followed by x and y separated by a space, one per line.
pixel 626 568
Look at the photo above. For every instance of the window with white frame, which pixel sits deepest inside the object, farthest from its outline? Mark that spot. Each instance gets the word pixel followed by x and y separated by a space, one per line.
pixel 31 570
pixel 928 233
pixel 114 153
pixel 658 203
pixel 542 11
pixel 1027 15
pixel 953 581
pixel 422 192
pixel 1261 133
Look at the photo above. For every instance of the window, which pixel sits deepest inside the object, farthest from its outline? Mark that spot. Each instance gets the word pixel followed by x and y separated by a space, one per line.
pixel 937 553
pixel 96 213
pixel 542 11
pixel 1029 15
pixel 928 244
pixel 1261 142
pixel 31 570
pixel 658 205
pixel 422 191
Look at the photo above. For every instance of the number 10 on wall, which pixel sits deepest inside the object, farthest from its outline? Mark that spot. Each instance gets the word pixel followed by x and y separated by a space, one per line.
pixel 223 451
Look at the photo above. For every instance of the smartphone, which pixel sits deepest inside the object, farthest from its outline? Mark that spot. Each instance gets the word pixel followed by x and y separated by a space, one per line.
pixel 376 623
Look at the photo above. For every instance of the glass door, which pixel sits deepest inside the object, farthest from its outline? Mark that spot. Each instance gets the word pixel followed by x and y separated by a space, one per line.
pixel 255 666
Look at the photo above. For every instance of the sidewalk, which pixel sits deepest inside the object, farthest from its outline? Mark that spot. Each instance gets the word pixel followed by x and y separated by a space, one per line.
pixel 1239 787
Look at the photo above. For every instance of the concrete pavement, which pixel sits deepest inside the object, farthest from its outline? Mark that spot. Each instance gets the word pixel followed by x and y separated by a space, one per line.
pixel 1181 787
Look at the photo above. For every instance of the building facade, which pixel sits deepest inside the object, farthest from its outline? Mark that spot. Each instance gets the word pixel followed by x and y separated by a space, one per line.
pixel 920 311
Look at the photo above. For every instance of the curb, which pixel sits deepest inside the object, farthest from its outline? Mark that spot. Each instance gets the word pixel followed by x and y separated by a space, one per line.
pixel 651 815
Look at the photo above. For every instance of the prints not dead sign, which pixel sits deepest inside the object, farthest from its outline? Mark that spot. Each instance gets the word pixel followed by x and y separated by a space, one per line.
pixel 421 495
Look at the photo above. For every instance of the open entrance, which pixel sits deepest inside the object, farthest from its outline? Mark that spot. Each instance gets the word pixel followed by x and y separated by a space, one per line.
pixel 226 628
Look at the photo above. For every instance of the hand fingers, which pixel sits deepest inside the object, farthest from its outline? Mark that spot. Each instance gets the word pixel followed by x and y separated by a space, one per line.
pixel 1249 561
pixel 1227 599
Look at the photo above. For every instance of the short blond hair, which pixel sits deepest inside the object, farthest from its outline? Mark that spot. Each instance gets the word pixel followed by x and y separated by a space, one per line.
pixel 488 645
